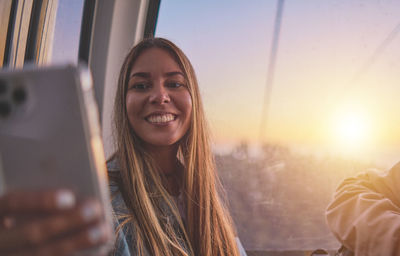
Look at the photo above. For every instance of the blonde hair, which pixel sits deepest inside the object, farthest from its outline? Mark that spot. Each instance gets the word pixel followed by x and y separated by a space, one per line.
pixel 209 229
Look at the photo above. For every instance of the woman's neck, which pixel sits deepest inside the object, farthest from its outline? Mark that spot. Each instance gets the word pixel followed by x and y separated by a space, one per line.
pixel 164 157
pixel 169 166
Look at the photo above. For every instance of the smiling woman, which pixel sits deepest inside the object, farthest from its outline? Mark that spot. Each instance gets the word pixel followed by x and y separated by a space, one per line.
pixel 167 192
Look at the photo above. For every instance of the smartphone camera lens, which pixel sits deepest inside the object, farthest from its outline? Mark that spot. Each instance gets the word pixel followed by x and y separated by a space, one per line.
pixel 19 95
pixel 3 87
pixel 5 109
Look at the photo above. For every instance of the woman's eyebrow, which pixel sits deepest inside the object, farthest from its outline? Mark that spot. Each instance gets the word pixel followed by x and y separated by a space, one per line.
pixel 147 75
pixel 174 73
pixel 140 74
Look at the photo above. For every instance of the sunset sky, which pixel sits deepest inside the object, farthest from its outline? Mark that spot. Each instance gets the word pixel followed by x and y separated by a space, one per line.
pixel 337 80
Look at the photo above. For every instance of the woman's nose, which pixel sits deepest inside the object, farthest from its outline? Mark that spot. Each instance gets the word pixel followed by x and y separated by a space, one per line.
pixel 159 95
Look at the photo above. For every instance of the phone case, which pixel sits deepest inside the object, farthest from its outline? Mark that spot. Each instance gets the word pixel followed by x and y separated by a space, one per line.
pixel 50 134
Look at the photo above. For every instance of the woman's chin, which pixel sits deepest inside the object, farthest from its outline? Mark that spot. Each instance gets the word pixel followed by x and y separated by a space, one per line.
pixel 161 142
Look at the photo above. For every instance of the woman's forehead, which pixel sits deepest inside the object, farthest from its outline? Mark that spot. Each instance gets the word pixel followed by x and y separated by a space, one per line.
pixel 155 60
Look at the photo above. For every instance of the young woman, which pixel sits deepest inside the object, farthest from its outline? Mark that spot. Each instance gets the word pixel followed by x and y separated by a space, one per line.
pixel 163 170
pixel 165 192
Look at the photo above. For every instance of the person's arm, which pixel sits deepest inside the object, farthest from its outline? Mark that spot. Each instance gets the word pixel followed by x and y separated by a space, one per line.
pixel 365 213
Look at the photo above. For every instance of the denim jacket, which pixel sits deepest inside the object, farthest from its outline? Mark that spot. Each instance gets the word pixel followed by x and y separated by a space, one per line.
pixel 124 238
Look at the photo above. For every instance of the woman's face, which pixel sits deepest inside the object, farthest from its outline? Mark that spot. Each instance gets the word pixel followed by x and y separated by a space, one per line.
pixel 158 102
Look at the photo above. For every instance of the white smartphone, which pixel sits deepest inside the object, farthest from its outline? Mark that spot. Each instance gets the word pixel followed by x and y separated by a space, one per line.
pixel 50 134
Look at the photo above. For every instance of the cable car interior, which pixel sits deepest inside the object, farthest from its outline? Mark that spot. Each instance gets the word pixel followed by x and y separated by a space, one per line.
pixel 298 94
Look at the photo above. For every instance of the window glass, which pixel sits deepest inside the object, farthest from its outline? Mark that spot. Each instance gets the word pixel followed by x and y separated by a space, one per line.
pixel 41 32
pixel 67 31
pixel 330 108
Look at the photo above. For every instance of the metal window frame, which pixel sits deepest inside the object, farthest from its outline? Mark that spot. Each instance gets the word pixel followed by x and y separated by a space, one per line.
pixel 18 33
pixel 7 16
pixel 30 32
pixel 88 14
pixel 42 43
pixel 35 22
pixel 152 17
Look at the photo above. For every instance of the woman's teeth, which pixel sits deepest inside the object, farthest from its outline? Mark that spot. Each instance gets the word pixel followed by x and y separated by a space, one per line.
pixel 161 118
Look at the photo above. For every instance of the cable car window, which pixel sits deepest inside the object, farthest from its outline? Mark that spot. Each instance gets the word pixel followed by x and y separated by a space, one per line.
pixel 67 31
pixel 299 95
pixel 40 32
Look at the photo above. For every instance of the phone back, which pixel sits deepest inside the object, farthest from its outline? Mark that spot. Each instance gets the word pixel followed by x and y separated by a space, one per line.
pixel 49 133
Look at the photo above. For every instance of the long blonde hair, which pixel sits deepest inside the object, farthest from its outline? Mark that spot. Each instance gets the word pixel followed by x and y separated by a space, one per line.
pixel 209 229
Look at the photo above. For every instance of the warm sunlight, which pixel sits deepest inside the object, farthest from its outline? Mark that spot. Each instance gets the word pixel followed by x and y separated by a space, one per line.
pixel 352 129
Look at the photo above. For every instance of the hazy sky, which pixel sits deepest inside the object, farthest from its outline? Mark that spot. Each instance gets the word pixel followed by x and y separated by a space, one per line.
pixel 316 99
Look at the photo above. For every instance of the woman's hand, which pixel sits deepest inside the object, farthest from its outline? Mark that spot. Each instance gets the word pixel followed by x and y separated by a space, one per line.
pixel 49 223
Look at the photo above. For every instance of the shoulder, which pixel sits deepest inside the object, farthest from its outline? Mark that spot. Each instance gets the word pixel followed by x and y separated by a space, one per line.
pixel 113 169
pixel 364 213
pixel 113 164
pixel 124 237
pixel 117 201
pixel 387 184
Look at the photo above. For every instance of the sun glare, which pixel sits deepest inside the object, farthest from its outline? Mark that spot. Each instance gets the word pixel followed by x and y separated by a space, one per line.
pixel 352 130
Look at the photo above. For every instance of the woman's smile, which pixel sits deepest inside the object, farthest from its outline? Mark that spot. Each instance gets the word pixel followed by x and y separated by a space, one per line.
pixel 161 119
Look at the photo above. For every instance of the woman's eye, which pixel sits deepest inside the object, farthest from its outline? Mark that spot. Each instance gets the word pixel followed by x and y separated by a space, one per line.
pixel 174 84
pixel 139 86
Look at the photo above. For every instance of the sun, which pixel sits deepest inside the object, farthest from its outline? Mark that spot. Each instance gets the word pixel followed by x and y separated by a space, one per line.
pixel 352 129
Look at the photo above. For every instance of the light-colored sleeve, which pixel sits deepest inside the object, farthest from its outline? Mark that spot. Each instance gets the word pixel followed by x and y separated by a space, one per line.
pixel 365 213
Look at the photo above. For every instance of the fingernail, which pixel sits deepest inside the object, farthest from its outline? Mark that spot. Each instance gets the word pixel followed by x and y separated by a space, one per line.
pixel 8 222
pixel 95 234
pixel 65 199
pixel 89 211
